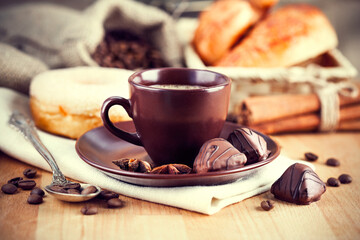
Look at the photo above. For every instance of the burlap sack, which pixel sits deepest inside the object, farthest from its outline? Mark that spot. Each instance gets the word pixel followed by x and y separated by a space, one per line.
pixel 17 68
pixel 63 37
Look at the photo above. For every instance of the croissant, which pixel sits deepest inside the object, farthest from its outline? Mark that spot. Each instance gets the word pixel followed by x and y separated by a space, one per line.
pixel 221 25
pixel 289 36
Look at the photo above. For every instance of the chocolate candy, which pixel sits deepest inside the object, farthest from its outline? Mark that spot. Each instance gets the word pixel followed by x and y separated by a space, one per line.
pixel 218 154
pixel 299 184
pixel 250 143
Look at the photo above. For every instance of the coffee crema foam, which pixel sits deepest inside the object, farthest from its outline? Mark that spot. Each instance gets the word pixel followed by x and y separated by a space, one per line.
pixel 177 86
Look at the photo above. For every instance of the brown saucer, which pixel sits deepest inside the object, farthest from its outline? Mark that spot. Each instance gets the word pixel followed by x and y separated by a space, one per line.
pixel 98 148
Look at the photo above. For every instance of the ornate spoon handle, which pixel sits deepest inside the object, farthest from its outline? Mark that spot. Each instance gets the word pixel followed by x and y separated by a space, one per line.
pixel 27 128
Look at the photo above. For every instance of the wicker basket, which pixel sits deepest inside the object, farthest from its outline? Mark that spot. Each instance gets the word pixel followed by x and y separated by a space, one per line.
pixel 329 67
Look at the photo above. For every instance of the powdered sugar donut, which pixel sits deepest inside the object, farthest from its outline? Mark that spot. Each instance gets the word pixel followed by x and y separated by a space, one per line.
pixel 67 102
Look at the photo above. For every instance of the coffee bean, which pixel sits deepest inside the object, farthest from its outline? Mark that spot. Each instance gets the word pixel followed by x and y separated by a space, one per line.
pixel 311 156
pixel 345 178
pixel 29 173
pixel 9 188
pixel 73 191
pixel 123 49
pixel 332 162
pixel 15 181
pixel 89 190
pixel 27 184
pixel 105 194
pixel 35 199
pixel 58 189
pixel 267 205
pixel 114 203
pixel 333 182
pixel 89 210
pixel 72 186
pixel 37 191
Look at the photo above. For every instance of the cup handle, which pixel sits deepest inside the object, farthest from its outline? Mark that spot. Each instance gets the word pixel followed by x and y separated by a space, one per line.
pixel 125 103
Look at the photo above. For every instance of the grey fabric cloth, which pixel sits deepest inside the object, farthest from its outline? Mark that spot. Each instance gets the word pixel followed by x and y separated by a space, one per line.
pixel 17 68
pixel 62 37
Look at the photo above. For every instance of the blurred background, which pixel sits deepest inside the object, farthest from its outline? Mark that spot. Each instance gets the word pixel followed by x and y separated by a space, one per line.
pixel 344 15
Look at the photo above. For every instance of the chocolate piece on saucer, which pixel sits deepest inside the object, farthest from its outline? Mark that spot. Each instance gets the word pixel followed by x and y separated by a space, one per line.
pixel 133 165
pixel 218 154
pixel 172 169
pixel 250 143
pixel 299 184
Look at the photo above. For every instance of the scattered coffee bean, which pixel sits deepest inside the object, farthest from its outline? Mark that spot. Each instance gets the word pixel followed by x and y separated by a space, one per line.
pixel 345 178
pixel 115 203
pixel 105 194
pixel 89 210
pixel 73 191
pixel 29 173
pixel 35 199
pixel 267 205
pixel 37 191
pixel 89 190
pixel 15 181
pixel 333 182
pixel 72 186
pixel 9 188
pixel 58 189
pixel 311 156
pixel 333 162
pixel 27 184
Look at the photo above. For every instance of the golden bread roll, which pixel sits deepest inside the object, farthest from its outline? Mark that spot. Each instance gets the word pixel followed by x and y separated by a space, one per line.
pixel 221 25
pixel 289 36
pixel 67 102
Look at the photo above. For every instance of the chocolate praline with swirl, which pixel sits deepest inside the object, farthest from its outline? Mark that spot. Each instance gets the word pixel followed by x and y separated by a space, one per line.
pixel 299 184
pixel 250 143
pixel 218 154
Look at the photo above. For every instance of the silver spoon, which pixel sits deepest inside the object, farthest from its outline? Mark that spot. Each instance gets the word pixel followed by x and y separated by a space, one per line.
pixel 27 127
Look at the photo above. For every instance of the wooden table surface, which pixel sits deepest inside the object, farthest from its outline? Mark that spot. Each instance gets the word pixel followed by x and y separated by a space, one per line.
pixel 335 216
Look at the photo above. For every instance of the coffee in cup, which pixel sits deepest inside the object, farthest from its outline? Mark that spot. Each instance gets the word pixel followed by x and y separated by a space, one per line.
pixel 174 110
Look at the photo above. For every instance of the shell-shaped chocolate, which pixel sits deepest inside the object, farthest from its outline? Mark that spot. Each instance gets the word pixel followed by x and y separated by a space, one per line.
pixel 218 154
pixel 299 184
pixel 250 143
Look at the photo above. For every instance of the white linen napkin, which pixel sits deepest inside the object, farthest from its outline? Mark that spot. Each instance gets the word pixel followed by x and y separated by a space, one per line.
pixel 202 199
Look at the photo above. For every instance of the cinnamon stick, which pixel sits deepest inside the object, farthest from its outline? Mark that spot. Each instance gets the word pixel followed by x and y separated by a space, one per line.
pixel 260 109
pixel 309 122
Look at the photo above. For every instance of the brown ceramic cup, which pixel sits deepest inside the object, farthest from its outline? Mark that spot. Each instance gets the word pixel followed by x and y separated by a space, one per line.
pixel 172 124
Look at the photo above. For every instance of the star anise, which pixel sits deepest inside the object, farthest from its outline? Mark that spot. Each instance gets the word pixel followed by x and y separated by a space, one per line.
pixel 133 165
pixel 172 169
